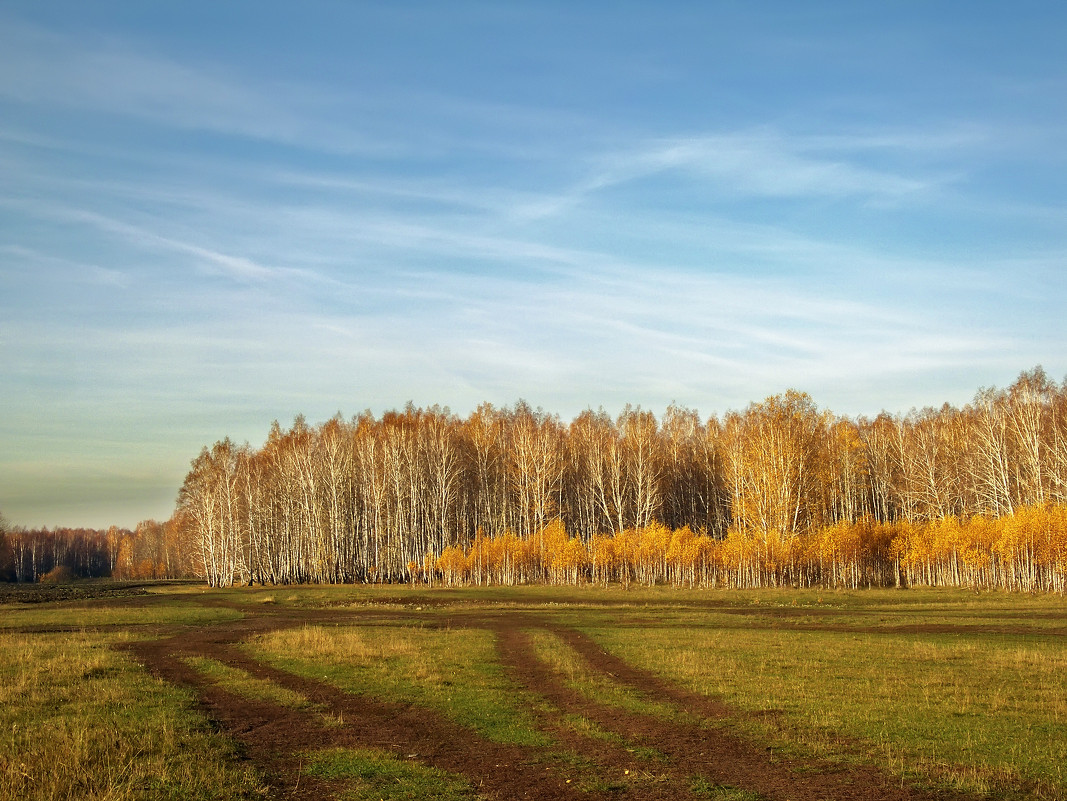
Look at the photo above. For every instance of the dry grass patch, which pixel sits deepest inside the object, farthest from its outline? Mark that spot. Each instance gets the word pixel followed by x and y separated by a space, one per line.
pixel 79 720
pixel 243 683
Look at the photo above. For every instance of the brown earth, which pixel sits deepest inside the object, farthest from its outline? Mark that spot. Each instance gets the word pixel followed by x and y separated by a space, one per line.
pixel 86 590
pixel 641 757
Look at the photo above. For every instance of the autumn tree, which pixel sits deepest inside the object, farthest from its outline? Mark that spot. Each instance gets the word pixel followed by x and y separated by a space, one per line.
pixel 773 452
pixel 209 501
pixel 641 466
pixel 990 463
pixel 694 491
pixel 778 492
pixel 534 467
pixel 7 559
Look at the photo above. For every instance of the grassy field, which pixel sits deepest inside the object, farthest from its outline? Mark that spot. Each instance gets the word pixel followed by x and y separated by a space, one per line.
pixel 948 689
pixel 451 671
pixel 79 719
pixel 964 691
pixel 377 776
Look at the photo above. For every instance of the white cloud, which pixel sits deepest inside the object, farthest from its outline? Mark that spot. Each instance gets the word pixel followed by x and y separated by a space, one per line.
pixel 768 163
pixel 773 163
pixel 237 267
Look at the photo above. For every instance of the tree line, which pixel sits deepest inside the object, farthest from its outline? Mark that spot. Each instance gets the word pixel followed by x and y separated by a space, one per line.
pixel 778 493
pixel 30 554
pixel 151 550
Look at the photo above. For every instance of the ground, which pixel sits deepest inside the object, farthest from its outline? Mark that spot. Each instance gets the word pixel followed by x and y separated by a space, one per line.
pixel 624 754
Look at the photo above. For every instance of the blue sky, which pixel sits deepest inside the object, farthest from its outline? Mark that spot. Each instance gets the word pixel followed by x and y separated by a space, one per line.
pixel 214 215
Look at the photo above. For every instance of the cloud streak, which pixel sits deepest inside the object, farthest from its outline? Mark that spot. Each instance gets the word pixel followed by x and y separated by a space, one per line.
pixel 41 68
pixel 763 163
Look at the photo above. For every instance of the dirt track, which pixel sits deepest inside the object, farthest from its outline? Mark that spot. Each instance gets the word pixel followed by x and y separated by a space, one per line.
pixel 274 736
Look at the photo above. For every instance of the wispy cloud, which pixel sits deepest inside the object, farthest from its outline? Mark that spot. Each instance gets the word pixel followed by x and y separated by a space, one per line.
pixel 770 162
pixel 237 267
pixel 765 163
pixel 46 69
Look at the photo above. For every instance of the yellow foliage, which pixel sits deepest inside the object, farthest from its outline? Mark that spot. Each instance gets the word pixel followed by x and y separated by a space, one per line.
pixel 1023 551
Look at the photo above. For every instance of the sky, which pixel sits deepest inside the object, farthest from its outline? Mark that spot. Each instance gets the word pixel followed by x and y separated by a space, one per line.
pixel 216 215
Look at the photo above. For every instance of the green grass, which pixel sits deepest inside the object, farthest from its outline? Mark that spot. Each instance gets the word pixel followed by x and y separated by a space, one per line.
pixel 372 775
pixel 80 720
pixel 452 671
pixel 981 711
pixel 587 728
pixel 944 686
pixel 598 687
pixel 113 613
pixel 702 788
pixel 243 683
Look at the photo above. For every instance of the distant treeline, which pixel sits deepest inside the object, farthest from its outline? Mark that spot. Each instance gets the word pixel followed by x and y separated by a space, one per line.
pixel 779 493
pixel 152 550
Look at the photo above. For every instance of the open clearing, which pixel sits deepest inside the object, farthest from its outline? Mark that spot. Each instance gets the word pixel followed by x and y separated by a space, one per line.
pixel 532 692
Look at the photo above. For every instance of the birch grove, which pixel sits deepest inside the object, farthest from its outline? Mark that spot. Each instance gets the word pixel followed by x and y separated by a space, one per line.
pixel 778 493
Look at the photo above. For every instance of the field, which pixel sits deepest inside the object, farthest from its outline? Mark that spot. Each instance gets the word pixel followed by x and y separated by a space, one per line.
pixel 176 691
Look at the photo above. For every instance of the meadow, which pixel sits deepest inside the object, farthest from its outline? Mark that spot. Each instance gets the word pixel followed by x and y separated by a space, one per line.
pixel 364 692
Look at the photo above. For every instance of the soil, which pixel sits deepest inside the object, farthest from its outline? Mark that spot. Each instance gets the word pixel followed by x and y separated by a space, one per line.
pixel 641 758
pixel 87 590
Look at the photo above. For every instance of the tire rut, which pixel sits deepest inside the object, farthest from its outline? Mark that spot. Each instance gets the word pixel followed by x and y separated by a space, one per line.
pixel 274 737
pixel 702 750
pixel 616 759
